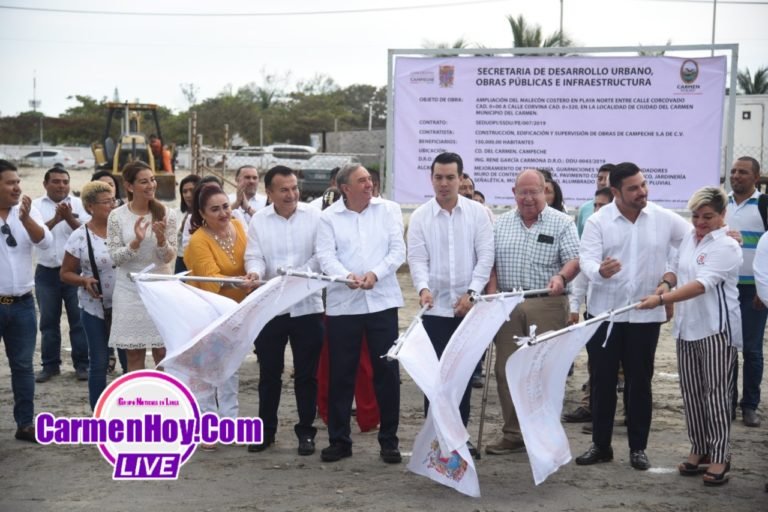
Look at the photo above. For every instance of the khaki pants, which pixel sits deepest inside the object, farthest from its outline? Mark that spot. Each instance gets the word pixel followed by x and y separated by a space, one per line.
pixel 548 314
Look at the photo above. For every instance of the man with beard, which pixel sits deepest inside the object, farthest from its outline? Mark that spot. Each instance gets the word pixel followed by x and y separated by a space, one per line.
pixel 624 252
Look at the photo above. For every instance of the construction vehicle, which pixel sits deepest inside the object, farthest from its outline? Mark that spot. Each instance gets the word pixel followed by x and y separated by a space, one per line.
pixel 129 141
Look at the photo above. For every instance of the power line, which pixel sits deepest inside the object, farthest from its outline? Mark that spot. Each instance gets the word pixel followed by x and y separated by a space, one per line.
pixel 250 14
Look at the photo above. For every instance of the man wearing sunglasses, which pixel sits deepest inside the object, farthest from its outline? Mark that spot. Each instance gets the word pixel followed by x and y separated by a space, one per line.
pixel 22 227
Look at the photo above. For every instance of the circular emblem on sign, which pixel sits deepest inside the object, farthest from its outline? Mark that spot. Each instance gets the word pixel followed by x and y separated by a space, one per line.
pixel 689 71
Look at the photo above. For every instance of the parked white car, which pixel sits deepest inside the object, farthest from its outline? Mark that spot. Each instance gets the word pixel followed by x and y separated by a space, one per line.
pixel 263 158
pixel 49 157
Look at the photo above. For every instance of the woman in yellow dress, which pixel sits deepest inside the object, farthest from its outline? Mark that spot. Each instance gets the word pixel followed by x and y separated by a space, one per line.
pixel 217 249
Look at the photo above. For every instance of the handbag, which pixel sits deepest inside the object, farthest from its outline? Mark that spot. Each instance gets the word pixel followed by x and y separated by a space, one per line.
pixel 95 271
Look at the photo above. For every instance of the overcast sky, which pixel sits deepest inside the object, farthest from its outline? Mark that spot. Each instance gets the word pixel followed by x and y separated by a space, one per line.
pixel 147 56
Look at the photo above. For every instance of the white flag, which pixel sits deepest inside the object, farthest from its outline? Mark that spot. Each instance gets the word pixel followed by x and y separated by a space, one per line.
pixel 215 352
pixel 181 311
pixel 536 375
pixel 440 451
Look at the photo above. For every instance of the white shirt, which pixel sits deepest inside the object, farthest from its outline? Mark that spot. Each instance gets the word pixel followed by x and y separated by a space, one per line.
pixel 317 203
pixel 642 248
pixel 714 263
pixel 579 290
pixel 17 276
pixel 274 242
pixel 450 253
pixel 257 202
pixel 746 218
pixel 760 268
pixel 184 235
pixel 370 241
pixel 77 246
pixel 54 254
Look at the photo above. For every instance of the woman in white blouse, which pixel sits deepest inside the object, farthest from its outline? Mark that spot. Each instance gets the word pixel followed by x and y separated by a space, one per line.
pixel 86 247
pixel 708 332
pixel 140 233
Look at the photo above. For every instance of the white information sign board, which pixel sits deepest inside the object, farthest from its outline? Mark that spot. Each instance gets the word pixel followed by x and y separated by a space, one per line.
pixel 566 114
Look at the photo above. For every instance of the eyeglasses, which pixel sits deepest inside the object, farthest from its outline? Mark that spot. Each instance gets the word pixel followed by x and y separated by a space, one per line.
pixel 6 230
pixel 110 202
pixel 529 193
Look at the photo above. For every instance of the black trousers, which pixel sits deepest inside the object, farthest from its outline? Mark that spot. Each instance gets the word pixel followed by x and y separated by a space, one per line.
pixel 634 345
pixel 345 334
pixel 440 329
pixel 305 334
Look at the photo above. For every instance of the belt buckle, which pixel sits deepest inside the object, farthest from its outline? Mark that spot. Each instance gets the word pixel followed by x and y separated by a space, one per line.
pixel 6 301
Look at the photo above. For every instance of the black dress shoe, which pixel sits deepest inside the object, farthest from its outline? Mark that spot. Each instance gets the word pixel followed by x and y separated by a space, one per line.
pixel 306 446
pixel 639 460
pixel 336 451
pixel 269 440
pixel 391 455
pixel 595 455
pixel 472 450
pixel 46 374
pixel 580 415
pixel 26 434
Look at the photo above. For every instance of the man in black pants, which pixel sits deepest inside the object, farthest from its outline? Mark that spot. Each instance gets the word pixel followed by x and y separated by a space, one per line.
pixel 361 238
pixel 450 255
pixel 624 251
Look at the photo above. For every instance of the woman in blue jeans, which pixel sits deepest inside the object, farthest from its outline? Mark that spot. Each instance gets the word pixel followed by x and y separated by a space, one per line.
pixel 86 247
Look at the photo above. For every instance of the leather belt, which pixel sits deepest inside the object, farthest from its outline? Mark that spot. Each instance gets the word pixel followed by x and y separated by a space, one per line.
pixel 7 300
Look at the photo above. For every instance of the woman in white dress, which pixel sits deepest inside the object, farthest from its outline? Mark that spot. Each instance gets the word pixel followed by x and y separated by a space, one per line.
pixel 140 233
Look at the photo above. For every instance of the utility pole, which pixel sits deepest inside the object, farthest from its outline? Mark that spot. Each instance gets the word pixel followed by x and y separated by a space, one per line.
pixel 714 24
pixel 35 103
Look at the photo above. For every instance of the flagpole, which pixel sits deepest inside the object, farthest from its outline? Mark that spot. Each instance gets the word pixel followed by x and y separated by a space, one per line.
pixel 484 401
pixel 140 276
pixel 313 275
pixel 522 293
pixel 599 318
pixel 398 344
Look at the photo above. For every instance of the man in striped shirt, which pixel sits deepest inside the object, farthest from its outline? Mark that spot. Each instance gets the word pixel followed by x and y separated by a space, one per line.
pixel 743 214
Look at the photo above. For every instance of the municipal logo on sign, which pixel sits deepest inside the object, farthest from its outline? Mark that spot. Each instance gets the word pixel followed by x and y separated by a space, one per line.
pixel 689 71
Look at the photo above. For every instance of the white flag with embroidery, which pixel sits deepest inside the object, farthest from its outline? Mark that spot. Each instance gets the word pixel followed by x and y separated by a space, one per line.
pixel 215 352
pixel 440 451
pixel 536 376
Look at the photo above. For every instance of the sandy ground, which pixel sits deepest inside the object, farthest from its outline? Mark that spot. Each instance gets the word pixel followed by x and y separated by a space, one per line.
pixel 77 478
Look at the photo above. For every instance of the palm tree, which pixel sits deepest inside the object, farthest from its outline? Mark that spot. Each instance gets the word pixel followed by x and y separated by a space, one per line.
pixel 458 44
pixel 756 85
pixel 529 36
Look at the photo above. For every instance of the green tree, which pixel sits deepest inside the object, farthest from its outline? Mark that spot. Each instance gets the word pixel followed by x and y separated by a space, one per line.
pixel 753 85
pixel 525 35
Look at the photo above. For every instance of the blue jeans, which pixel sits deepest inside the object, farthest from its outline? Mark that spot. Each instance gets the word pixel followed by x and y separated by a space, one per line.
pixel 98 355
pixel 18 326
pixel 50 293
pixel 753 329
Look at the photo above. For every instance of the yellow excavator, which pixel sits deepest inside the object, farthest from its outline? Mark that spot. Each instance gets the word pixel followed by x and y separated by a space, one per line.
pixel 129 141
